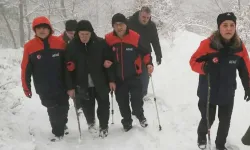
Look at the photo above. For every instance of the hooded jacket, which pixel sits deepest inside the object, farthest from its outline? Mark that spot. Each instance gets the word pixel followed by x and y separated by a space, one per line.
pixel 227 59
pixel 85 62
pixel 44 60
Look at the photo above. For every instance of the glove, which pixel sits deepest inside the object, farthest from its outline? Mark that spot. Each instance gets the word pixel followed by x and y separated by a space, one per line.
pixel 158 60
pixel 28 93
pixel 247 95
pixel 211 60
pixel 81 93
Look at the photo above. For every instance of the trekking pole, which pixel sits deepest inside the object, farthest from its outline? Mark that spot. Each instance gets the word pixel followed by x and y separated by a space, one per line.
pixel 207 115
pixel 78 120
pixel 160 128
pixel 112 109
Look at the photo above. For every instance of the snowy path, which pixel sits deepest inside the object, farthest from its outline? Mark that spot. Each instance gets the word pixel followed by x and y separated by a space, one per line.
pixel 175 86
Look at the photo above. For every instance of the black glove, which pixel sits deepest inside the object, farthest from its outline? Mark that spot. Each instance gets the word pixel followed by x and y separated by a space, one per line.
pixel 211 60
pixel 82 93
pixel 158 60
pixel 247 95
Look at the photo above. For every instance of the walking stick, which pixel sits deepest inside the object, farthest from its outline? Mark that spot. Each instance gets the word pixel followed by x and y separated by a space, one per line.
pixel 78 120
pixel 160 128
pixel 112 105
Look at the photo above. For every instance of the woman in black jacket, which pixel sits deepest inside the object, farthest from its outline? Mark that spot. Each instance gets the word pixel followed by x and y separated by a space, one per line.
pixel 217 60
pixel 89 80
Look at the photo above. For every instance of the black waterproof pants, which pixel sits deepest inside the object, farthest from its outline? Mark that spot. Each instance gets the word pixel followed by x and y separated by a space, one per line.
pixel 103 108
pixel 224 115
pixel 123 88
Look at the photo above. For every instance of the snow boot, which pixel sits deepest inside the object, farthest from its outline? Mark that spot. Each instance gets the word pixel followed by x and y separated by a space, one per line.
pixel 202 141
pixel 92 128
pixel 103 132
pixel 56 138
pixel 127 127
pixel 143 121
pixel 79 112
pixel 127 124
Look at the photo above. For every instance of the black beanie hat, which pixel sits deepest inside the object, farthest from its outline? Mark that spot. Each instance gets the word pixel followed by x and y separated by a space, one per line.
pixel 84 25
pixel 119 18
pixel 226 16
pixel 70 25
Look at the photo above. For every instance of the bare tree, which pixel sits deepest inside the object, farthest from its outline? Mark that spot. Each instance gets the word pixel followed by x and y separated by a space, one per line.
pixel 63 9
pixel 239 4
pixel 27 19
pixel 21 23
pixel 218 5
pixel 2 11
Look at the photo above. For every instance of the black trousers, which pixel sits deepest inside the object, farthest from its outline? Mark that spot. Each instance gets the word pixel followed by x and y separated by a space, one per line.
pixel 123 88
pixel 58 112
pixel 103 108
pixel 224 115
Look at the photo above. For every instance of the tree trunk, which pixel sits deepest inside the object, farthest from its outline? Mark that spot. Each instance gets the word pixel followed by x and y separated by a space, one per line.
pixel 239 4
pixel 63 9
pixel 9 28
pixel 21 28
pixel 27 19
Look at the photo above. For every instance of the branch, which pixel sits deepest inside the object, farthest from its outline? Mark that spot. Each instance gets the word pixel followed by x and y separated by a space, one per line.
pixel 32 11
pixel 218 5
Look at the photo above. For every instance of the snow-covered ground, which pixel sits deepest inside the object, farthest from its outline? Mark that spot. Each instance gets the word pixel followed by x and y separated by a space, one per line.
pixel 24 124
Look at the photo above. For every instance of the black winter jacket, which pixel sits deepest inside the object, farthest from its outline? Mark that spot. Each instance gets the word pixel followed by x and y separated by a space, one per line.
pixel 87 59
pixel 148 34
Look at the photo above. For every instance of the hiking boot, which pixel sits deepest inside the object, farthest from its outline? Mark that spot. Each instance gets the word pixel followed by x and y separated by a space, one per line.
pixel 56 138
pixel 103 132
pixel 142 120
pixel 202 141
pixel 92 128
pixel 127 125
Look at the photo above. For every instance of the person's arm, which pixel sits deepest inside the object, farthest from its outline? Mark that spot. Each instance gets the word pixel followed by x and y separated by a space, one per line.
pixel 70 67
pixel 109 58
pixel 146 58
pixel 156 44
pixel 26 72
pixel 244 68
pixel 198 66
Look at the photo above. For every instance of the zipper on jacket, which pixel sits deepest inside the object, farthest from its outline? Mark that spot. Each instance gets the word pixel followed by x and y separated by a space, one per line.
pixel 117 55
pixel 122 61
pixel 86 49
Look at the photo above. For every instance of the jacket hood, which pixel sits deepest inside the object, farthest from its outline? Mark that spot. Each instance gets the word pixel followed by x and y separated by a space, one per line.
pixel 235 45
pixel 41 20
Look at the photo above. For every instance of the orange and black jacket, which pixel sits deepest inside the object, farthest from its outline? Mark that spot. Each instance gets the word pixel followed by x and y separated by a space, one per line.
pixel 44 60
pixel 126 54
pixel 222 70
